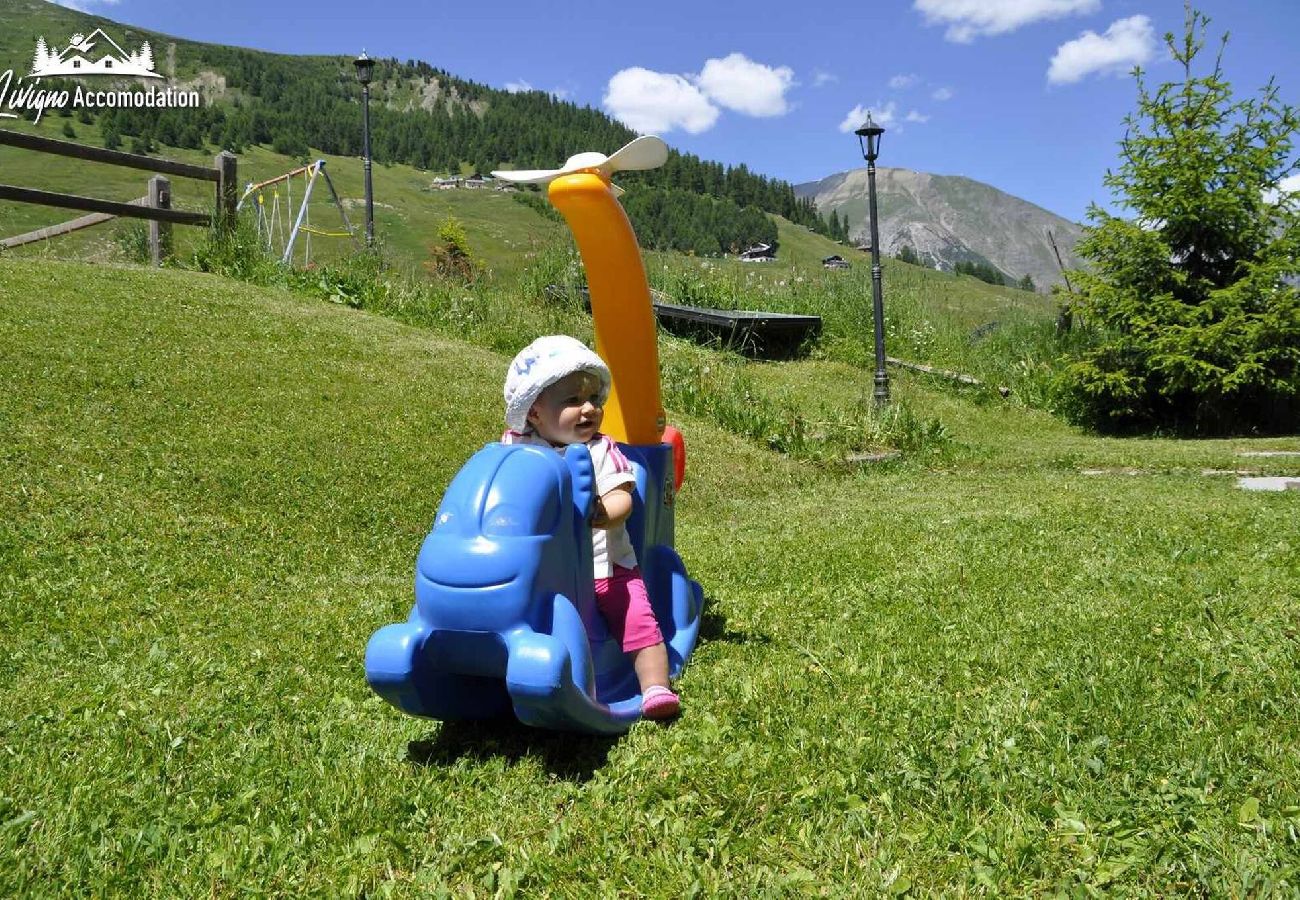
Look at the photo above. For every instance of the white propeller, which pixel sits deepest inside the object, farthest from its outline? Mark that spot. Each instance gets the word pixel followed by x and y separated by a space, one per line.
pixel 648 152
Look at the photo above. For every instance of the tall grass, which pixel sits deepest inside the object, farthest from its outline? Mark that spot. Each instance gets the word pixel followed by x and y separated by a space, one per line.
pixel 546 299
pixel 494 315
pixel 720 388
pixel 1001 336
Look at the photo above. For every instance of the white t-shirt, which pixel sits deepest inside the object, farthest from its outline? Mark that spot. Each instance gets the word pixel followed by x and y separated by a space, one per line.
pixel 609 546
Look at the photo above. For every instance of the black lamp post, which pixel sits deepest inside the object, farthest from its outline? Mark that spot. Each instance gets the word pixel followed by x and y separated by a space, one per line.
pixel 365 66
pixel 869 137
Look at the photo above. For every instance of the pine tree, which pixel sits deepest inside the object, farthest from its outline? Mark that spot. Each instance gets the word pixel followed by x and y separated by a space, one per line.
pixel 1196 291
pixel 42 55
pixel 144 58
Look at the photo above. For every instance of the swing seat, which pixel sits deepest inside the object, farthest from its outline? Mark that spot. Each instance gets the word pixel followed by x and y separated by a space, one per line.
pixel 505 617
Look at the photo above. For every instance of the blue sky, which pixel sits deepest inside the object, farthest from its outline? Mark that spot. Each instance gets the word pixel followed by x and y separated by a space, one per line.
pixel 1026 95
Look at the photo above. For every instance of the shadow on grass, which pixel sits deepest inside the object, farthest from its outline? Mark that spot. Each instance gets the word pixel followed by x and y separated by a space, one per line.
pixel 573 757
pixel 713 627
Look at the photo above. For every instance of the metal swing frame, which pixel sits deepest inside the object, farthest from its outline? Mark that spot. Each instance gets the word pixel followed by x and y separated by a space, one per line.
pixel 311 172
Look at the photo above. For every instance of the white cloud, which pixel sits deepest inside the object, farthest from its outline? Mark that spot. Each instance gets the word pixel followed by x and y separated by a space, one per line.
pixel 821 78
pixel 969 19
pixel 1126 43
pixel 914 116
pixel 943 93
pixel 902 82
pixel 1287 185
pixel 656 102
pixel 748 87
pixel 884 115
pixel 649 101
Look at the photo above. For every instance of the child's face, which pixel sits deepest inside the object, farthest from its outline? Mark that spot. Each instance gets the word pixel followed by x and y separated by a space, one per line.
pixel 569 411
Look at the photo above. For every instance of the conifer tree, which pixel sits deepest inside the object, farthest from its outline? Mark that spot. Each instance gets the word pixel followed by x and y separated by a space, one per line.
pixel 1195 289
pixel 42 55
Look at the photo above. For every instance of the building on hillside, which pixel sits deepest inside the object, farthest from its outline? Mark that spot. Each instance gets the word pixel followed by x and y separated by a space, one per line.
pixel 446 184
pixel 836 262
pixel 758 253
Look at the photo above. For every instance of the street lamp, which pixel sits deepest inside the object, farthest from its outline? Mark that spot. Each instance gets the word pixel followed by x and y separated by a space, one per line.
pixel 869 138
pixel 365 66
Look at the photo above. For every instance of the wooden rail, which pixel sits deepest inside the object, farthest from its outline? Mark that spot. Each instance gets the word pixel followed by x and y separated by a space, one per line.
pixel 156 207
pixel 113 157
pixel 112 207
pixel 931 370
pixel 53 231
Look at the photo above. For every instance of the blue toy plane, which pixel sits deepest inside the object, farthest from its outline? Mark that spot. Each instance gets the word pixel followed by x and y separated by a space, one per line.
pixel 505 614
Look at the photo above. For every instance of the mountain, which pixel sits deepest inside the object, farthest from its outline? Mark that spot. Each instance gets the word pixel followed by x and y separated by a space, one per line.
pixel 947 219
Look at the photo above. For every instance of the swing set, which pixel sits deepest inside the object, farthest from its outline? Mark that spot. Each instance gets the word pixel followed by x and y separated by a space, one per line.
pixel 271 222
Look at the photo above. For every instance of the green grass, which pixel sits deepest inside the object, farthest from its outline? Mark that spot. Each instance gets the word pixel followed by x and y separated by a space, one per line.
pixel 503 234
pixel 1005 338
pixel 999 335
pixel 986 674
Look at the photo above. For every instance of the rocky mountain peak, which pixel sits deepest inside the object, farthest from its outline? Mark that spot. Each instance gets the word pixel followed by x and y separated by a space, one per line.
pixel 946 219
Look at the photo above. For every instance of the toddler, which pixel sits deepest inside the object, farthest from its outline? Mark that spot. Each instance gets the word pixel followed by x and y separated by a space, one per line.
pixel 556 390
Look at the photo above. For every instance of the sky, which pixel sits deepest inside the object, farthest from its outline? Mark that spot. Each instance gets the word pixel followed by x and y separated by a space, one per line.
pixel 1026 95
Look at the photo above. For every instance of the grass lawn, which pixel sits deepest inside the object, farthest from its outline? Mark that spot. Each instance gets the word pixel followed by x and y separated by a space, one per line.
pixel 981 674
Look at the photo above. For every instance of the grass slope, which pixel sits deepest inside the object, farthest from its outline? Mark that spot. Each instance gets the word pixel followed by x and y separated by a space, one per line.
pixel 998 676
pixel 501 232
pixel 503 235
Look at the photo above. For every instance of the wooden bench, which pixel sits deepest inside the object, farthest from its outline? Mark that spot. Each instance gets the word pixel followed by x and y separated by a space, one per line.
pixel 765 335
pixel 759 334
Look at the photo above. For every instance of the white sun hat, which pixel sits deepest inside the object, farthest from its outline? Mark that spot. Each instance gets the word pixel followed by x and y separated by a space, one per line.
pixel 541 364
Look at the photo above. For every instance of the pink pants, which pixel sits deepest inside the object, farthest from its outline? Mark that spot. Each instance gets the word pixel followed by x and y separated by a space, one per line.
pixel 624 603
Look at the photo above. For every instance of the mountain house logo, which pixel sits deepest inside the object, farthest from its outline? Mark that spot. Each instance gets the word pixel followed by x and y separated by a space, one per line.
pixel 80 57
pixel 97 54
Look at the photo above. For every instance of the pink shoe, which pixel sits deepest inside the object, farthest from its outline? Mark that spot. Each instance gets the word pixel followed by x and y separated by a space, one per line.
pixel 660 703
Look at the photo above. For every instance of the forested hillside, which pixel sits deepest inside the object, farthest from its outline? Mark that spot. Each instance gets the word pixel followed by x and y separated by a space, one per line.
pixel 433 120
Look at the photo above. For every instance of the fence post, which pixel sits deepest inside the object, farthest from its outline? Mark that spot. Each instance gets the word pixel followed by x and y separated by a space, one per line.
pixel 160 233
pixel 227 189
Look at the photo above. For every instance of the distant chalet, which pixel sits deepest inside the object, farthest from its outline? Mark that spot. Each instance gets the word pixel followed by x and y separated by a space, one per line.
pixel 758 253
pixel 472 182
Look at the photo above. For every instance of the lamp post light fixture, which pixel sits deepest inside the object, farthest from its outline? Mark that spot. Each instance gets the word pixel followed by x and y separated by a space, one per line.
pixel 365 67
pixel 869 138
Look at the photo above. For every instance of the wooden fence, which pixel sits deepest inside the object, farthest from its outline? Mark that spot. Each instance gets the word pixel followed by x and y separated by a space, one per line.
pixel 154 206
